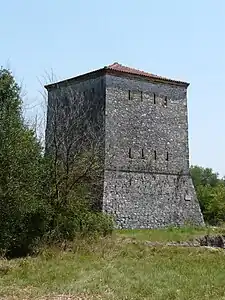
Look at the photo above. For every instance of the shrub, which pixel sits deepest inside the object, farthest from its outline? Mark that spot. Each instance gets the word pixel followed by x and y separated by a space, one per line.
pixel 77 219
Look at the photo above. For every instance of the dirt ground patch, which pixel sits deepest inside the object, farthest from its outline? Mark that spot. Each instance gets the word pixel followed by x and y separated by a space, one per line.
pixel 81 296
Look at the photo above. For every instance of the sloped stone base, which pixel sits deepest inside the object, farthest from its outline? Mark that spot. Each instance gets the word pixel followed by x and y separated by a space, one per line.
pixel 143 200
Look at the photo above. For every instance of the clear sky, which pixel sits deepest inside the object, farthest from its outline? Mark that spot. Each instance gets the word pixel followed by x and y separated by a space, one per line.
pixel 174 38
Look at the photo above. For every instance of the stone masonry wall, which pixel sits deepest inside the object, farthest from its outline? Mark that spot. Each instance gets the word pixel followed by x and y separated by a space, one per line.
pixel 87 104
pixel 142 200
pixel 79 107
pixel 147 181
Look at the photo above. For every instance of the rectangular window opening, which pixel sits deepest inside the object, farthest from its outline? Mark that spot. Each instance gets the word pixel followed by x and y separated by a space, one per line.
pixel 129 95
pixel 154 98
pixel 141 96
pixel 155 157
pixel 142 154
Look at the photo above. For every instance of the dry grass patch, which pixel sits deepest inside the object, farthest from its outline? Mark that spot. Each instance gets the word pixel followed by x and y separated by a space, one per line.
pixel 116 268
pixel 81 296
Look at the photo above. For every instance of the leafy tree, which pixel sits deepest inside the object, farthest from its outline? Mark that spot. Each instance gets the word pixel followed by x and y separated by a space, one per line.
pixel 211 194
pixel 74 149
pixel 204 176
pixel 21 207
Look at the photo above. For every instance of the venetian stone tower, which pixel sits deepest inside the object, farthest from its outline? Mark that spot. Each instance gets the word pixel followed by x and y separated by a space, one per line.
pixel 144 122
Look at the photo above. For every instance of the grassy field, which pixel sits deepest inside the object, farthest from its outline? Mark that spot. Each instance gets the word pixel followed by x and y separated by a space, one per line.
pixel 170 234
pixel 120 267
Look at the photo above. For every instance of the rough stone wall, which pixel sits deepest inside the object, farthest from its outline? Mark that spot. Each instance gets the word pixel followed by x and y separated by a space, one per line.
pixel 147 181
pixel 143 200
pixel 79 108
pixel 86 104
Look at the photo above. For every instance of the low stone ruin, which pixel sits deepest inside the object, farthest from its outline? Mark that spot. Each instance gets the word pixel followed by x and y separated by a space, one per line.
pixel 217 241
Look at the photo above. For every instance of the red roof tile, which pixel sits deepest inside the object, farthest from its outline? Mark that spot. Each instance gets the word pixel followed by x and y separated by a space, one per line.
pixel 118 68
pixel 124 69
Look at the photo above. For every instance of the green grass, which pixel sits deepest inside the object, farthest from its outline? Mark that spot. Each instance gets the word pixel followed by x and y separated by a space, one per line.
pixel 170 234
pixel 119 268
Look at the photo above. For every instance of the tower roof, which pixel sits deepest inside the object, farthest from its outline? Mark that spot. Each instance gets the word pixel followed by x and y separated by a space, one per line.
pixel 124 69
pixel 119 69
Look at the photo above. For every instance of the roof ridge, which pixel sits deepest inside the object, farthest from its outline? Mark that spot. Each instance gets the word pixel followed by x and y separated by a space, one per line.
pixel 113 65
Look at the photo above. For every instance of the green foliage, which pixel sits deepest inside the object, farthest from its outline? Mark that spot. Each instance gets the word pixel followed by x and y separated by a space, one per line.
pixel 38 198
pixel 73 197
pixel 211 194
pixel 71 223
pixel 22 212
pixel 75 216
pixel 204 176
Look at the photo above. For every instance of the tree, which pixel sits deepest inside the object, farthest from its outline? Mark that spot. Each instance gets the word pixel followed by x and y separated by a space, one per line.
pixel 204 176
pixel 75 151
pixel 74 142
pixel 21 208
pixel 211 194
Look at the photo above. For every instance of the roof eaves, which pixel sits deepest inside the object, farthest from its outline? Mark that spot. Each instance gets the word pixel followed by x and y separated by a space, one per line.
pixel 113 70
pixel 150 77
pixel 78 77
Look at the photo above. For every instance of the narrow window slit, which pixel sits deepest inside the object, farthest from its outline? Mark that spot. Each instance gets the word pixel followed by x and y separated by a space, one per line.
pixel 155 157
pixel 130 181
pixel 142 154
pixel 130 155
pixel 141 96
pixel 165 101
pixel 129 95
pixel 167 156
pixel 154 98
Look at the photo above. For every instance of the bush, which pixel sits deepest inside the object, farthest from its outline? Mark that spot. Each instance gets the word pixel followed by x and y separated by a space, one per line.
pixel 77 219
pixel 211 194
pixel 22 235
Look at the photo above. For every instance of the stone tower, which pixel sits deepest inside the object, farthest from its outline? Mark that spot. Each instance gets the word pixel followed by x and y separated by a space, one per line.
pixel 144 123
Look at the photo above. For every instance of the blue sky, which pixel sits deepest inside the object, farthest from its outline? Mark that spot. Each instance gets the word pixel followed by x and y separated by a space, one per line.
pixel 179 39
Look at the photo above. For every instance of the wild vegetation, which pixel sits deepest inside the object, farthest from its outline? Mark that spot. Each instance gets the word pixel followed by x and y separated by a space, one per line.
pixel 38 200
pixel 211 194
pixel 121 266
